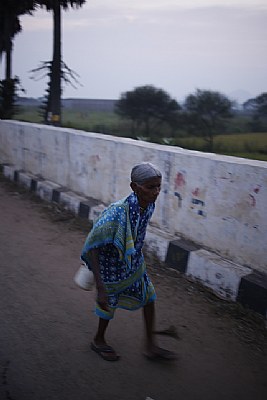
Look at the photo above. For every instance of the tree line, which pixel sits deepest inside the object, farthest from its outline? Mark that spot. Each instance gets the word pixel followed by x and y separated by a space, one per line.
pixel 203 113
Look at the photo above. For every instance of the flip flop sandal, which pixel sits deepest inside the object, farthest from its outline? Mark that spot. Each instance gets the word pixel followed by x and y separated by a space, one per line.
pixel 105 351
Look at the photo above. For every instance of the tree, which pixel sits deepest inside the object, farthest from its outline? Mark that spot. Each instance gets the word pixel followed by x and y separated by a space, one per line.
pixel 258 108
pixel 10 10
pixel 147 106
pixel 54 113
pixel 68 76
pixel 206 113
pixel 9 89
pixel 257 105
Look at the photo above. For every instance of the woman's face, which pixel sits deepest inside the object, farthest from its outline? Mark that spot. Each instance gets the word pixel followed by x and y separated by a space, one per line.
pixel 148 191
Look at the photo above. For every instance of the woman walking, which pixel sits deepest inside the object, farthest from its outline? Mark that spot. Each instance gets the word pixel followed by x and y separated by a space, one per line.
pixel 113 251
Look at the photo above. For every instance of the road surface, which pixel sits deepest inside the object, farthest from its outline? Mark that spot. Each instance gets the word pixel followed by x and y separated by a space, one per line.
pixel 47 323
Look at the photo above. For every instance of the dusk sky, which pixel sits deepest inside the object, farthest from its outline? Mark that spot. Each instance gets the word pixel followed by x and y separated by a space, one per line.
pixel 176 45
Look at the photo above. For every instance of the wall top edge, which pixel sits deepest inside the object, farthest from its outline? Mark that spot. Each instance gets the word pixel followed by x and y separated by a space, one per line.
pixel 139 143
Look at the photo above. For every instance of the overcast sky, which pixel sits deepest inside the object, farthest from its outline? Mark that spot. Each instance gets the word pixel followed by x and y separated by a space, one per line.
pixel 175 45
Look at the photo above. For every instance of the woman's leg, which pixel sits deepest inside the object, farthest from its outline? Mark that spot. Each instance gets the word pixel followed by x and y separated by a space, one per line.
pixel 104 317
pixel 99 344
pixel 153 351
pixel 100 334
pixel 149 319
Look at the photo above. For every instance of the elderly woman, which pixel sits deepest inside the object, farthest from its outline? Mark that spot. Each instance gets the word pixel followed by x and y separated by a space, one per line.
pixel 113 251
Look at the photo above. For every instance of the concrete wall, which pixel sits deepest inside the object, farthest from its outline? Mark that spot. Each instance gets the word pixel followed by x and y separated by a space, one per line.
pixel 217 202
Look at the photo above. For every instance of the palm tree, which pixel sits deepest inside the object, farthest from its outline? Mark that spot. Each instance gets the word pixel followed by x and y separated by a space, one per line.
pixel 68 76
pixel 10 10
pixel 54 111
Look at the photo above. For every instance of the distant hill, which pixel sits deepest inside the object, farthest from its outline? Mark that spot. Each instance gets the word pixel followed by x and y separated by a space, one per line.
pixel 79 104
pixel 28 101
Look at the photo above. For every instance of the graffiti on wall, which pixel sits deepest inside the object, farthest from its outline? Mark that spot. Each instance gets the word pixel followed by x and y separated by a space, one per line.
pixel 179 186
pixel 252 195
pixel 197 203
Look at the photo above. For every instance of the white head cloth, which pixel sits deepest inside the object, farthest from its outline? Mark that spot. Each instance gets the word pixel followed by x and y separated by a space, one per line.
pixel 144 171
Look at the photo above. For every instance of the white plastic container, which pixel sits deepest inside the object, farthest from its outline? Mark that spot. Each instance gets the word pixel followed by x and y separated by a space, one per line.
pixel 84 278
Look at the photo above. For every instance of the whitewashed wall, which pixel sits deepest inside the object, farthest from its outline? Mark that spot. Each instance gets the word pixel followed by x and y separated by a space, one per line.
pixel 216 201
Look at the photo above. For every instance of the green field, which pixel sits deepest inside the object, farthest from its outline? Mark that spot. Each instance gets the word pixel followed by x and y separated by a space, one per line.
pixel 245 145
pixel 90 121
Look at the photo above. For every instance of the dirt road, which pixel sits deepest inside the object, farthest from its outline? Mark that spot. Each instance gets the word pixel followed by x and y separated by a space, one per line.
pixel 46 324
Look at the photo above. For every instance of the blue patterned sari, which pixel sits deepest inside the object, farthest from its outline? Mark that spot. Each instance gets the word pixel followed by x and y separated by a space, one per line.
pixel 119 235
